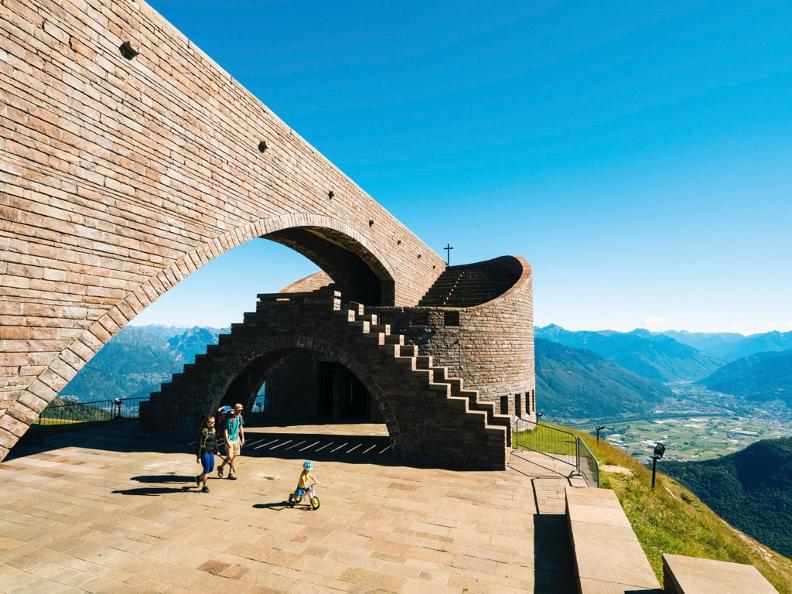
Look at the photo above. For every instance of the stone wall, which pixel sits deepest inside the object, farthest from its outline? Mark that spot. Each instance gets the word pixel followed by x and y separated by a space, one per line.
pixel 120 177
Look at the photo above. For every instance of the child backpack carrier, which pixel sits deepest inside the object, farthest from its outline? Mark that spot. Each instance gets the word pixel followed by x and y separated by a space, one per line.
pixel 220 425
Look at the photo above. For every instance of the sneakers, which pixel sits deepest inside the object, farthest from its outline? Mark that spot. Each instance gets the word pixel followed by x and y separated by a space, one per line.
pixel 220 472
pixel 231 477
pixel 198 480
pixel 205 490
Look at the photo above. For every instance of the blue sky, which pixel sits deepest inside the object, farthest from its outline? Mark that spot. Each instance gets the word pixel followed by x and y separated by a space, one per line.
pixel 638 154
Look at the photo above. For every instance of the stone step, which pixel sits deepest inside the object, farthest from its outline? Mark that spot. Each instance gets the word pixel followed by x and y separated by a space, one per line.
pixel 408 362
pixel 408 350
pixel 361 325
pixel 384 328
pixel 423 361
pixel 394 339
pixel 440 374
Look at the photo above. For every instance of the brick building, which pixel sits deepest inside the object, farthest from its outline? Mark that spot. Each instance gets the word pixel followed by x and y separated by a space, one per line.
pixel 128 159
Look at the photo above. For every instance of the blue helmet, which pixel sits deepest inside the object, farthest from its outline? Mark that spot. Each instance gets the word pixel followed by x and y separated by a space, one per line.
pixel 308 465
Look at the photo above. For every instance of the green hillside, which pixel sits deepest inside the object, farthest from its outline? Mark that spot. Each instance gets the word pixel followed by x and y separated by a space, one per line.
pixel 653 356
pixel 575 383
pixel 137 360
pixel 759 377
pixel 671 519
pixel 751 489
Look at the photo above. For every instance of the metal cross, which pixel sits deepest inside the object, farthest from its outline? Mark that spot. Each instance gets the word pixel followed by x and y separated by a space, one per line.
pixel 448 249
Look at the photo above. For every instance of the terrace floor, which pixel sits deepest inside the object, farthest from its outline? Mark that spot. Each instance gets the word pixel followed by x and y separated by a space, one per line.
pixel 112 510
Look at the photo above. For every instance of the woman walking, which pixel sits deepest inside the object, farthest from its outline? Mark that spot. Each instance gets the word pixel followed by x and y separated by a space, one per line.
pixel 207 446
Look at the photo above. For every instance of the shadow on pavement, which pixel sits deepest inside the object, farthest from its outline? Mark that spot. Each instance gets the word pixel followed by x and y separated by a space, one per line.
pixel 154 491
pixel 277 506
pixel 163 478
pixel 362 449
pixel 554 569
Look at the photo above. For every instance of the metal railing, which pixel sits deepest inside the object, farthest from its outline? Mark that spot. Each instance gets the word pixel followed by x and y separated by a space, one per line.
pixel 68 413
pixel 587 464
pixel 558 444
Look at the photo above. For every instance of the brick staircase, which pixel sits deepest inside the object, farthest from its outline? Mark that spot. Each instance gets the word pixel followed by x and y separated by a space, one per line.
pixel 430 415
pixel 468 285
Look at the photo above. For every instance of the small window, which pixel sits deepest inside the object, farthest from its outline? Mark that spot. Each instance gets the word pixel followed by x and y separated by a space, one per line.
pixel 420 318
pixel 504 405
pixel 518 405
pixel 451 318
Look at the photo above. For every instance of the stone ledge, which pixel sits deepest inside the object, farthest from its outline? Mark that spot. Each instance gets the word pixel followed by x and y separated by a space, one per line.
pixel 608 556
pixel 690 575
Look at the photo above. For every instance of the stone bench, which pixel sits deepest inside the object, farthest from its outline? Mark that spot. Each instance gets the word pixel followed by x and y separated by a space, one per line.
pixel 608 557
pixel 690 575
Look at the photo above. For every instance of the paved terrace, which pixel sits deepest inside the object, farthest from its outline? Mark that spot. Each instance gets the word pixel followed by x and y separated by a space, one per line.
pixel 111 510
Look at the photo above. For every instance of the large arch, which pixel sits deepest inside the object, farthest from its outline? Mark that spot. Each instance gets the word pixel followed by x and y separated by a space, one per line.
pixel 337 247
pixel 121 175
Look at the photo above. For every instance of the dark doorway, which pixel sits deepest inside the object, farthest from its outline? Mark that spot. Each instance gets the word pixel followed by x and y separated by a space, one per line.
pixel 342 396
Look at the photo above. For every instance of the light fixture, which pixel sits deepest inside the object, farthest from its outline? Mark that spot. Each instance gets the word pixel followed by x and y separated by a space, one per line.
pixel 659 451
pixel 599 428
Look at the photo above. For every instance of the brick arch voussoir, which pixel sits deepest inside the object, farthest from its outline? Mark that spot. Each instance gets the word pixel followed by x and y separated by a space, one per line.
pixel 29 401
pixel 244 357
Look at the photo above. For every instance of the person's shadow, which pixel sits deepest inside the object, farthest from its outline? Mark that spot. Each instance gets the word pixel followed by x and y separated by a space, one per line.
pixel 163 478
pixel 154 491
pixel 159 479
pixel 277 506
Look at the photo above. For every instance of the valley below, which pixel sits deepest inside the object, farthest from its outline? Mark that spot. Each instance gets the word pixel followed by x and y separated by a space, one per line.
pixel 695 423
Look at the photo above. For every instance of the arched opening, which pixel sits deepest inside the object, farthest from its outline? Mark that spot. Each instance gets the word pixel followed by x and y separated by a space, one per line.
pixel 164 337
pixel 320 403
pixel 357 273
pixel 303 386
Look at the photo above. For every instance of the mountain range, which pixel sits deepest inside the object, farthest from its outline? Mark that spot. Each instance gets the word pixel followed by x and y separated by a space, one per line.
pixel 758 377
pixel 751 489
pixel 653 356
pixel 730 346
pixel 137 360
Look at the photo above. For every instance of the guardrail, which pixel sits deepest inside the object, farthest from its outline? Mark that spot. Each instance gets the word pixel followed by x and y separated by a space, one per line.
pixel 587 464
pixel 90 412
pixel 557 444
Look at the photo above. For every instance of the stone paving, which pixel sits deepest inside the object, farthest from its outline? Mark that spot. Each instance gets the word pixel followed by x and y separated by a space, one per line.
pixel 111 510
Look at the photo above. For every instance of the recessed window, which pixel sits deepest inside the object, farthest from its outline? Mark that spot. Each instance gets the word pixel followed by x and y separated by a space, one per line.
pixel 518 405
pixel 504 405
pixel 451 318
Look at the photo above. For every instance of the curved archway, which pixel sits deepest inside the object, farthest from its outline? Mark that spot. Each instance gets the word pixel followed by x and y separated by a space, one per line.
pixel 265 352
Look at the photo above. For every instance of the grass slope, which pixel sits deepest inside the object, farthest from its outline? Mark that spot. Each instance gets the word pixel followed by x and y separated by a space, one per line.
pixel 671 519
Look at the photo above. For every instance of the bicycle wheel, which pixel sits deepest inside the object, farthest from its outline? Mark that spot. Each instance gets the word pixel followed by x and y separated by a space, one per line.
pixel 314 502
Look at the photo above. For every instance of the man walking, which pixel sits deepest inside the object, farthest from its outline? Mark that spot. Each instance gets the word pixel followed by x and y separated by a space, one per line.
pixel 234 432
